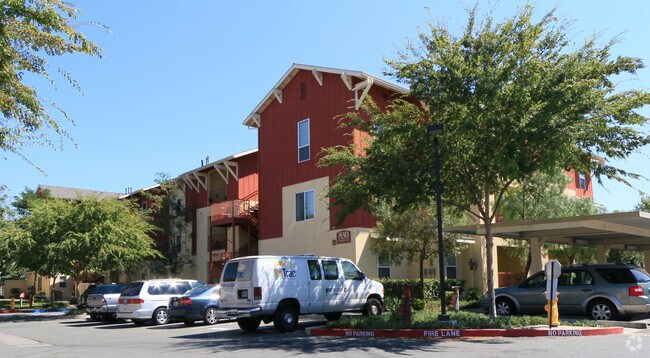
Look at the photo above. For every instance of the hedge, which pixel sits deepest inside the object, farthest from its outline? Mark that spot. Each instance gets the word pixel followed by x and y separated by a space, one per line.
pixel 395 287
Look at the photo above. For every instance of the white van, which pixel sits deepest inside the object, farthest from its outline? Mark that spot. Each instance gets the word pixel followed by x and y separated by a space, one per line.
pixel 280 288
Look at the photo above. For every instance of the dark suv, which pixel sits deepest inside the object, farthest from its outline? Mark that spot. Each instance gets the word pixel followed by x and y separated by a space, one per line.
pixel 601 291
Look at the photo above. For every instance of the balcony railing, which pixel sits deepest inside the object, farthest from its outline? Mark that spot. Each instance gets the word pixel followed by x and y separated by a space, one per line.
pixel 239 208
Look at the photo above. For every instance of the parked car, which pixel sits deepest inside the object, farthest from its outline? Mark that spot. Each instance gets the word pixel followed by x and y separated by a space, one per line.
pixel 199 303
pixel 600 291
pixel 82 304
pixel 102 303
pixel 142 301
pixel 280 288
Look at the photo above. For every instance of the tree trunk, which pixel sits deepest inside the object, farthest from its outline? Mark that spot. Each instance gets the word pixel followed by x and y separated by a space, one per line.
pixel 529 262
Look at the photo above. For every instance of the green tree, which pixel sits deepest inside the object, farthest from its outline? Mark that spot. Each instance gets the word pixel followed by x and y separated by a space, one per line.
pixel 10 233
pixel 515 98
pixel 86 236
pixel 167 212
pixel 412 235
pixel 30 32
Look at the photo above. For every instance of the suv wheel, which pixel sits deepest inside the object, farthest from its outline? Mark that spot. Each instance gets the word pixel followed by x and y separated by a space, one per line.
pixel 372 307
pixel 505 307
pixel 603 310
pixel 210 316
pixel 160 316
pixel 286 318
pixel 249 324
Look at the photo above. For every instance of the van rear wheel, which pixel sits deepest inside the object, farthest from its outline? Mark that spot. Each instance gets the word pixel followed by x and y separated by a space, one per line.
pixel 249 324
pixel 286 318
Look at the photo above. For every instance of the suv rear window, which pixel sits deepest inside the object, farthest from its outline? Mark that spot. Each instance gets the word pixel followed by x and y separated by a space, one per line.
pixel 617 275
pixel 133 289
pixel 641 275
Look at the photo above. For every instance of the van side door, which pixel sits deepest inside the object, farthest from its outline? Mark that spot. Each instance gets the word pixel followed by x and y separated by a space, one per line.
pixel 316 287
pixel 333 286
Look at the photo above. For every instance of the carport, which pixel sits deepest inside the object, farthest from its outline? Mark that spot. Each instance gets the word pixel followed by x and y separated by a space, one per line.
pixel 624 230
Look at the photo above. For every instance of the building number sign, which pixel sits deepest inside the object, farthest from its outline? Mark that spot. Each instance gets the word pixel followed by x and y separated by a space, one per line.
pixel 343 236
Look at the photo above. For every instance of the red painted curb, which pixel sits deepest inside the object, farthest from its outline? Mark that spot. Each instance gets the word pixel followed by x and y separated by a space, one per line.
pixel 466 333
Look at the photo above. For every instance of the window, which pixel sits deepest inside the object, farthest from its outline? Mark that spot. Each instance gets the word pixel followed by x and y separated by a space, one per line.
pixel 143 205
pixel 63 281
pixel 303 140
pixel 450 265
pixel 305 205
pixel 331 270
pixel 350 272
pixel 314 270
pixel 582 181
pixel 383 263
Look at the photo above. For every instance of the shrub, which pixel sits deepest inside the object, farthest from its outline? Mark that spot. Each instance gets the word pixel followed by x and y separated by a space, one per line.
pixel 417 304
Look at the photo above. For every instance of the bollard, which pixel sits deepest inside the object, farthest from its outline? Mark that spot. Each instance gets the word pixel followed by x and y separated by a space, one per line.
pixel 12 304
pixel 406 304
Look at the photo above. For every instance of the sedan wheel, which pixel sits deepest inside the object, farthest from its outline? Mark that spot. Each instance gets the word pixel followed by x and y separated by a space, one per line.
pixel 210 316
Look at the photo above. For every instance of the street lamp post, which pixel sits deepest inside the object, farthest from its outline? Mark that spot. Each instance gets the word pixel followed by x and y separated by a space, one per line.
pixel 435 130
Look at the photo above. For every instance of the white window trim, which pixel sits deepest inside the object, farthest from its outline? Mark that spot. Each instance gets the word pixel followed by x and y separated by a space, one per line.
pixel 304 213
pixel 308 140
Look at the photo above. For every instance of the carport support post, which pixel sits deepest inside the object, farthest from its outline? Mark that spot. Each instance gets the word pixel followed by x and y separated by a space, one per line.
pixel 601 253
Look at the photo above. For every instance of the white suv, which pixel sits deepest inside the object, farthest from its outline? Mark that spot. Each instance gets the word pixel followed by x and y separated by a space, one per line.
pixel 148 300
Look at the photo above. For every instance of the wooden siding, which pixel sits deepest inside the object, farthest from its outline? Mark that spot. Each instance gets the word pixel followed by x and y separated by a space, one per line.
pixel 248 178
pixel 574 185
pixel 278 142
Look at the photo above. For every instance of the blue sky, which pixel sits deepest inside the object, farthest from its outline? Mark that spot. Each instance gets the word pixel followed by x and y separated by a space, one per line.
pixel 179 77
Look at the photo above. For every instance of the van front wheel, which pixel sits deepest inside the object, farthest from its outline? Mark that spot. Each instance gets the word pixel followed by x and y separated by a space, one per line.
pixel 286 318
pixel 372 308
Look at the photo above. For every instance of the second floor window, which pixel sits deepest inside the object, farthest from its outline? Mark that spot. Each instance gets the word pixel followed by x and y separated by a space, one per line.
pixel 303 140
pixel 143 205
pixel 582 181
pixel 305 205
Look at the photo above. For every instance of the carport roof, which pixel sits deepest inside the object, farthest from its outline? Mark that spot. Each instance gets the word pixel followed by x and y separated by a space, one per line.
pixel 627 229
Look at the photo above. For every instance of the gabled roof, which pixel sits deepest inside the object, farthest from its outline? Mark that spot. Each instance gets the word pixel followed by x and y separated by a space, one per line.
pixel 196 178
pixel 365 81
pixel 74 193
